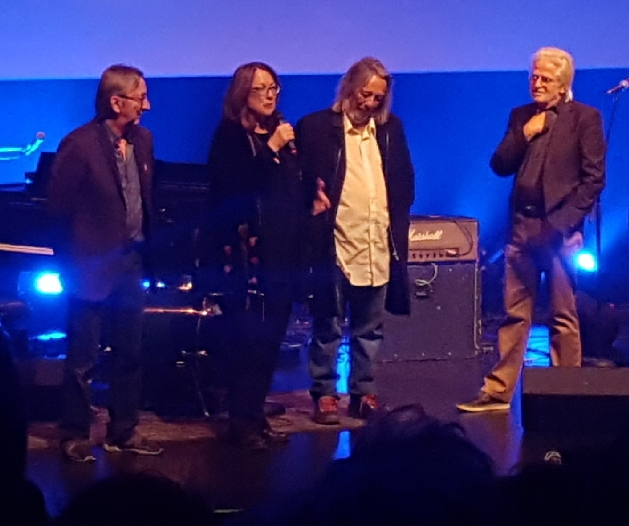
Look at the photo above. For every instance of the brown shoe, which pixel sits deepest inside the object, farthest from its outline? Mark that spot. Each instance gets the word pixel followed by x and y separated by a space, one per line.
pixel 363 407
pixel 326 411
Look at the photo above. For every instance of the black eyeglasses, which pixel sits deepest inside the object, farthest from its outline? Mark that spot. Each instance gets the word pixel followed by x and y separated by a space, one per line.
pixel 140 100
pixel 266 91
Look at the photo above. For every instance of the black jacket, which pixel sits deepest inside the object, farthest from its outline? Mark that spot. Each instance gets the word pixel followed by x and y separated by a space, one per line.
pixel 254 193
pixel 321 146
pixel 573 173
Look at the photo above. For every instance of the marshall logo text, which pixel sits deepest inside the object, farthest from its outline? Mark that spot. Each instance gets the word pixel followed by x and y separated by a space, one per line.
pixel 426 235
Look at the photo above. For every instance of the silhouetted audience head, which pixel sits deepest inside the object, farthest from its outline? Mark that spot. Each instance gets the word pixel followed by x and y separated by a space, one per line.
pixel 135 500
pixel 399 426
pixel 13 434
pixel 579 486
pixel 406 468
pixel 560 495
pixel 21 502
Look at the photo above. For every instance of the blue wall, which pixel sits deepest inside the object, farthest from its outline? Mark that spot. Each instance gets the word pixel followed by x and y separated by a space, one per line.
pixel 453 123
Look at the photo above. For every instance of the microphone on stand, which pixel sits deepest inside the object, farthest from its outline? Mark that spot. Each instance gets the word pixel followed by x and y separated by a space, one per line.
pixel 290 144
pixel 621 86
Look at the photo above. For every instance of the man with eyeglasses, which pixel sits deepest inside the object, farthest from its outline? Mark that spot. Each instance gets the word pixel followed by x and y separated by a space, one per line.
pixel 555 148
pixel 357 165
pixel 99 193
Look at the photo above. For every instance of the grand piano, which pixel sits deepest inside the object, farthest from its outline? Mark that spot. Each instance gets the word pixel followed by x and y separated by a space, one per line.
pixel 180 195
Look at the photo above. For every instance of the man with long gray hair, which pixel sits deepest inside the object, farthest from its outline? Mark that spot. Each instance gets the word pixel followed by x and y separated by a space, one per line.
pixel 357 165
pixel 100 192
pixel 555 148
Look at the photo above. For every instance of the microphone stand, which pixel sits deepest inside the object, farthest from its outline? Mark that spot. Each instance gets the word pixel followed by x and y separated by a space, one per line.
pixel 10 153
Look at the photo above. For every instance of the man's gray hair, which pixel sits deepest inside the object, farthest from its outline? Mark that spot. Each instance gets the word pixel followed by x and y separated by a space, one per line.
pixel 115 80
pixel 356 77
pixel 564 63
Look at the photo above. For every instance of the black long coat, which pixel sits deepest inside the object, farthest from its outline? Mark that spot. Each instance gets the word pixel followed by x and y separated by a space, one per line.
pixel 321 146
pixel 254 194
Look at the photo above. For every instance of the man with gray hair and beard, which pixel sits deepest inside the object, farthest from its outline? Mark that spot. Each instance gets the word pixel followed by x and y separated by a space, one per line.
pixel 556 150
pixel 356 162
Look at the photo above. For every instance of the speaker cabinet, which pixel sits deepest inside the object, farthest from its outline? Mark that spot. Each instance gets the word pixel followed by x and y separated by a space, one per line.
pixel 445 320
pixel 575 399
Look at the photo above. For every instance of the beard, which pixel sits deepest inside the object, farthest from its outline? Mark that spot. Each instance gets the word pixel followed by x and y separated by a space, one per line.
pixel 359 117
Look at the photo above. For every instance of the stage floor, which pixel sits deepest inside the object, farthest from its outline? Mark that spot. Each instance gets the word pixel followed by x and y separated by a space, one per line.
pixel 232 479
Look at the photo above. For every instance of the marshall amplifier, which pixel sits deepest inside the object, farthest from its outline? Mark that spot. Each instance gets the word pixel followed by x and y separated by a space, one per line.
pixel 444 280
pixel 437 238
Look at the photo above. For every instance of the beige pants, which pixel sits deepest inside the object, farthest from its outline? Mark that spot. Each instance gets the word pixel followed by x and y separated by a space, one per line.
pixel 535 248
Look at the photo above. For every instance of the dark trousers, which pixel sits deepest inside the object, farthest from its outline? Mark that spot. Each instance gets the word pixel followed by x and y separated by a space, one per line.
pixel 122 312
pixel 256 328
pixel 366 318
pixel 535 248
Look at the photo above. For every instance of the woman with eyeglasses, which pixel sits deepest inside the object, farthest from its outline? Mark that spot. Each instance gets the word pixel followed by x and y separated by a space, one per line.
pixel 255 226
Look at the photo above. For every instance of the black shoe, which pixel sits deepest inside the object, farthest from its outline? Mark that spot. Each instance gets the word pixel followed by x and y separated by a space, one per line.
pixel 78 450
pixel 483 402
pixel 248 434
pixel 326 411
pixel 253 441
pixel 136 444
pixel 273 436
pixel 272 409
pixel 364 407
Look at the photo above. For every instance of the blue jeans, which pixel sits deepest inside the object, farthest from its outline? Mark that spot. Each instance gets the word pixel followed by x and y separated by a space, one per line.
pixel 366 314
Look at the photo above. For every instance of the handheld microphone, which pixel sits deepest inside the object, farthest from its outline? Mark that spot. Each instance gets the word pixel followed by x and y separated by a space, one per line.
pixel 621 86
pixel 290 144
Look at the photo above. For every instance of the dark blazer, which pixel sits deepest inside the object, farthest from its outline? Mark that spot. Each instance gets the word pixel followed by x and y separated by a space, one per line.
pixel 573 173
pixel 85 196
pixel 321 146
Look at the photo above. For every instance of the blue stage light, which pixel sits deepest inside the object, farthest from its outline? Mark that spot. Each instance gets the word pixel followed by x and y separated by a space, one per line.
pixel 159 284
pixel 586 261
pixel 51 336
pixel 48 283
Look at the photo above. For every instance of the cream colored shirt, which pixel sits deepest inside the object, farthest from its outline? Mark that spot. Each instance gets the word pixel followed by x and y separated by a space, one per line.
pixel 362 219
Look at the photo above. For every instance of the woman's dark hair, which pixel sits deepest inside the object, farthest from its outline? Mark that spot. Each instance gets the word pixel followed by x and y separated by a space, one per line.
pixel 235 107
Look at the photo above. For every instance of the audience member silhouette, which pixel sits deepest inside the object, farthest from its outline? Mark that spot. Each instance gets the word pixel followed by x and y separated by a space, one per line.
pixel 136 500
pixel 406 468
pixel 21 502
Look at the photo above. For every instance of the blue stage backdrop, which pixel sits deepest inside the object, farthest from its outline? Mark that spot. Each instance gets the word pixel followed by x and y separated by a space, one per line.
pixel 459 69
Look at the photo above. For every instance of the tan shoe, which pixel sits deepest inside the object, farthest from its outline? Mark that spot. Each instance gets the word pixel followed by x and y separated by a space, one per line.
pixel 483 402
